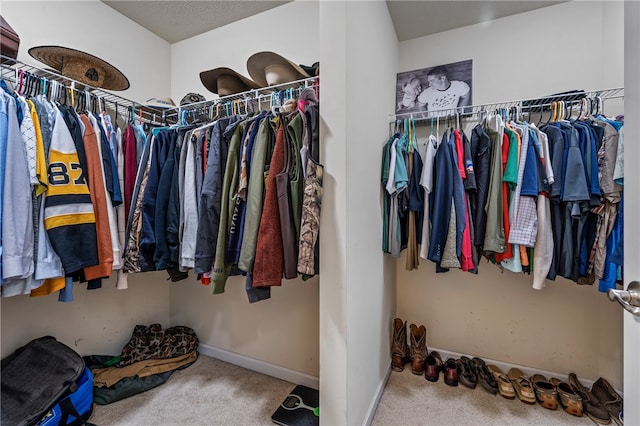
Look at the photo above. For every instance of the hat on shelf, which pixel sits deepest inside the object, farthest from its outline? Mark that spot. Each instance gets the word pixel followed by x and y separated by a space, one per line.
pixel 225 81
pixel 160 103
pixel 191 98
pixel 269 68
pixel 81 66
pixel 312 70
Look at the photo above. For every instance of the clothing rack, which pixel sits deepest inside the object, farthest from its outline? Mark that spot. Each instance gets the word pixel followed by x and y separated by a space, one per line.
pixel 242 102
pixel 16 71
pixel 571 101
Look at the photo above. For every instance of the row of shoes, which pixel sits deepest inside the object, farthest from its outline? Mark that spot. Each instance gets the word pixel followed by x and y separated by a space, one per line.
pixel 601 403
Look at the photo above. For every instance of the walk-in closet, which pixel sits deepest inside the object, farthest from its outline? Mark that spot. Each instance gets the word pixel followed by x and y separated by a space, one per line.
pixel 333 331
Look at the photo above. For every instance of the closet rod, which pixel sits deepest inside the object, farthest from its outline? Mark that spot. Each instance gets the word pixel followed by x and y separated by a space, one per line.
pixel 10 69
pixel 523 105
pixel 261 94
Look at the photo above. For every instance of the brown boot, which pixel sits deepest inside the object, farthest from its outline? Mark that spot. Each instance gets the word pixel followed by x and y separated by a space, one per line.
pixel 418 348
pixel 399 347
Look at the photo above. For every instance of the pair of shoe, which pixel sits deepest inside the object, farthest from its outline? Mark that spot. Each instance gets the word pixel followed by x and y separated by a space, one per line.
pixel 602 403
pixel 402 353
pixel 485 377
pixel 434 365
pixel 514 383
pixel 554 392
pixel 467 372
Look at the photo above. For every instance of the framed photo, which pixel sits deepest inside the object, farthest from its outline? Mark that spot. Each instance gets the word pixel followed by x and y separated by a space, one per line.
pixel 442 88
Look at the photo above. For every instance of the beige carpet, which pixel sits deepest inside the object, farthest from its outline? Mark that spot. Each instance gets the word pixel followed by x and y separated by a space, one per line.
pixel 209 392
pixel 411 400
pixel 212 392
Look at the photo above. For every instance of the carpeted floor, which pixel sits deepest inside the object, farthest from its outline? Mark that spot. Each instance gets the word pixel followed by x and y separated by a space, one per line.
pixel 209 392
pixel 212 392
pixel 409 399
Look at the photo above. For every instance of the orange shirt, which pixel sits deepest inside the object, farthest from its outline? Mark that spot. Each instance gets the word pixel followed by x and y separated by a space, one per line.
pixel 99 201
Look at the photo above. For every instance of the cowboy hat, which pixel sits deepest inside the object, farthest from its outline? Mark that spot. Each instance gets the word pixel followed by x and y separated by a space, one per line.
pixel 225 81
pixel 81 66
pixel 269 68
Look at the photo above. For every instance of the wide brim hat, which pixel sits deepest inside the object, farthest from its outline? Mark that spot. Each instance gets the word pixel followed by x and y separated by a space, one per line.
pixel 269 68
pixel 225 81
pixel 81 66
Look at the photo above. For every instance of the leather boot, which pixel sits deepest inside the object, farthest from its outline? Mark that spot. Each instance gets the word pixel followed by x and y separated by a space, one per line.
pixel 418 348
pixel 399 347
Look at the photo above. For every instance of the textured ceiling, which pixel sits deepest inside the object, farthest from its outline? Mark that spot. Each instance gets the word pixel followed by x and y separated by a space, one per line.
pixel 413 19
pixel 179 20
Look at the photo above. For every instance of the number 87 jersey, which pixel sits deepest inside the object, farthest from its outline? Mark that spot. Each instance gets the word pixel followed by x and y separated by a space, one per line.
pixel 69 216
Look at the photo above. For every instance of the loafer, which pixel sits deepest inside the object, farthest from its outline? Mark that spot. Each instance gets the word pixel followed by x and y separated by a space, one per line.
pixel 590 404
pixel 467 373
pixel 451 372
pixel 433 366
pixel 570 401
pixel 609 398
pixel 485 378
pixel 546 393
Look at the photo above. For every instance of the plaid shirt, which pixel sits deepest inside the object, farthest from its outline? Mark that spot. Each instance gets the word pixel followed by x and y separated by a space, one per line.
pixel 524 224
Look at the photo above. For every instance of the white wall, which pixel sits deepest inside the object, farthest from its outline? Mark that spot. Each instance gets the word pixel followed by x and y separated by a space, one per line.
pixel 333 236
pixel 632 205
pixel 99 321
pixel 95 28
pixel 357 293
pixel 372 55
pixel 284 329
pixel 291 30
pixel 564 327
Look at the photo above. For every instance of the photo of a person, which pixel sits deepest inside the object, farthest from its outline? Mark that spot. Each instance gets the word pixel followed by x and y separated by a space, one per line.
pixel 442 94
pixel 441 88
pixel 410 90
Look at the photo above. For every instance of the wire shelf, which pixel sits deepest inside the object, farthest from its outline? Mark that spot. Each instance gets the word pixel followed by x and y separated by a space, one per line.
pixel 11 71
pixel 244 101
pixel 535 105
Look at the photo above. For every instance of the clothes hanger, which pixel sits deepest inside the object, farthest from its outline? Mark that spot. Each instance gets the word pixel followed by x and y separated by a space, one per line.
pixel 28 85
pixel 585 104
pixel 28 79
pixel 20 81
pixel 410 135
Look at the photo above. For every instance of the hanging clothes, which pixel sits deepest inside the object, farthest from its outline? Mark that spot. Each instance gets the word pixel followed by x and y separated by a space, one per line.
pixel 536 200
pixel 309 249
pixel 81 198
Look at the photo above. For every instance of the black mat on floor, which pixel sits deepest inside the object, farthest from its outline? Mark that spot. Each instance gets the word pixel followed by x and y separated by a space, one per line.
pixel 299 408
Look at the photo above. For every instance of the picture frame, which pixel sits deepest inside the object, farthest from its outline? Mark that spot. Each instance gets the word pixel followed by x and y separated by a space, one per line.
pixel 446 89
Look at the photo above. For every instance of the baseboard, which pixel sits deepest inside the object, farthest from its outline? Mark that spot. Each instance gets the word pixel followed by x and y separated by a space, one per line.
pixel 505 366
pixel 260 366
pixel 374 403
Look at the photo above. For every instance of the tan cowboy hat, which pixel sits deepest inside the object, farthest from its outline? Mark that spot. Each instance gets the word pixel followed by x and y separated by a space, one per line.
pixel 269 68
pixel 81 66
pixel 225 81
